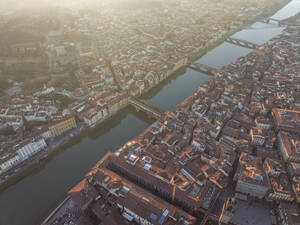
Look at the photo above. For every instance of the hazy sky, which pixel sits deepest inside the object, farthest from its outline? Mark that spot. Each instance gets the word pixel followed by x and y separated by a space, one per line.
pixel 29 5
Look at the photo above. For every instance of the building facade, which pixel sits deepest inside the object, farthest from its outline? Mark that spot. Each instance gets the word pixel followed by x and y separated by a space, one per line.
pixel 63 126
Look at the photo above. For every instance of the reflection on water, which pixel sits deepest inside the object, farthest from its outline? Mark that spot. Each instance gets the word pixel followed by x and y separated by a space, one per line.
pixel 27 201
pixel 223 55
pixel 176 90
pixel 259 33
pixel 289 10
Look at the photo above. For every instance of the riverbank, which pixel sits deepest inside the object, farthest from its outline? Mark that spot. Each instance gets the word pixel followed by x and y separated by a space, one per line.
pixel 237 86
pixel 61 207
pixel 51 180
pixel 217 42
pixel 35 164
pixel 205 52
pixel 242 86
pixel 38 160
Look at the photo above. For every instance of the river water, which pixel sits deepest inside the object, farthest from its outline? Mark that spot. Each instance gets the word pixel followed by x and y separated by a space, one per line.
pixel 31 198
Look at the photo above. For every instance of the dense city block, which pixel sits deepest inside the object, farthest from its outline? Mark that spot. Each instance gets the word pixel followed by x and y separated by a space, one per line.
pixel 230 148
pixel 62 74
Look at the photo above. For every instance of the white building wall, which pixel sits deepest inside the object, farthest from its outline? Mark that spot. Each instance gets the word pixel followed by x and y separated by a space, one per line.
pixel 9 163
pixel 46 135
pixel 31 149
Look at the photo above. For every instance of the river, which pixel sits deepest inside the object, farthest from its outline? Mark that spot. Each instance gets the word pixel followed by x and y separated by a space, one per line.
pixel 32 198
